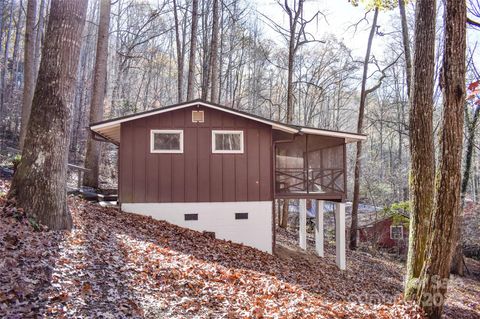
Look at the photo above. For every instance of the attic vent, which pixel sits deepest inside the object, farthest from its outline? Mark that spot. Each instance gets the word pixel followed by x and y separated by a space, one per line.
pixel 197 117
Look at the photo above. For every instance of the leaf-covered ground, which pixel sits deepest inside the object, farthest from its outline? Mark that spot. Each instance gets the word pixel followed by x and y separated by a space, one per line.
pixel 115 265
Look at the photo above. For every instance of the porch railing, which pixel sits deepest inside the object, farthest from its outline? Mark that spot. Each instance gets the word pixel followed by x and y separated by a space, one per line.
pixel 313 180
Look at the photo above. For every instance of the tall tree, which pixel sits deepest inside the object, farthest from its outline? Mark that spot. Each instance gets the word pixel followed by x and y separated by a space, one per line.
pixel 406 44
pixel 180 52
pixel 294 19
pixel 28 69
pixel 92 157
pixel 193 47
pixel 444 221
pixel 296 37
pixel 3 72
pixel 39 183
pixel 422 170
pixel 214 54
pixel 361 114
pixel 16 48
pixel 39 35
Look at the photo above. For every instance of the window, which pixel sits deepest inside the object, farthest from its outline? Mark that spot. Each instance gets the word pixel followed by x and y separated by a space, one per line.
pixel 166 141
pixel 227 142
pixel 191 216
pixel 241 215
pixel 396 232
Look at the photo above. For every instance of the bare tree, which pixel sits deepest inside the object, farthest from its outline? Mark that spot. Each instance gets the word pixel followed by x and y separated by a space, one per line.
pixel 180 46
pixel 296 36
pixel 214 54
pixel 28 69
pixel 193 46
pixel 358 158
pixel 39 35
pixel 98 93
pixel 406 44
pixel 39 183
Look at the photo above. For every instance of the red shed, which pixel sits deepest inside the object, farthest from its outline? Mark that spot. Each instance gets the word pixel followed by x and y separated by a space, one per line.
pixel 213 168
pixel 388 232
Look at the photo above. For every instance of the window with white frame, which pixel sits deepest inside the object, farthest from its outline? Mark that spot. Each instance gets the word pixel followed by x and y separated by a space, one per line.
pixel 227 141
pixel 166 141
pixel 396 232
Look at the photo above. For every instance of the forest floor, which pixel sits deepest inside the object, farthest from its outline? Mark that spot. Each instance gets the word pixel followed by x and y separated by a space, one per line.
pixel 114 265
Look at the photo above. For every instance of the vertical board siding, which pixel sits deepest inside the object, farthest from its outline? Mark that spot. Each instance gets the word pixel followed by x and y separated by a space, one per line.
pixel 191 161
pixel 139 156
pixel 152 163
pixel 203 174
pixel 253 174
pixel 197 175
pixel 126 169
pixel 266 147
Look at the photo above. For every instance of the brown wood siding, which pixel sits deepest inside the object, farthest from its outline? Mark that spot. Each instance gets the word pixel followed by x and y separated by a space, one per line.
pixel 197 175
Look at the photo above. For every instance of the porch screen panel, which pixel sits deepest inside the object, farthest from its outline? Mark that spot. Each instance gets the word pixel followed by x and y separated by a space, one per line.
pixel 290 173
pixel 325 166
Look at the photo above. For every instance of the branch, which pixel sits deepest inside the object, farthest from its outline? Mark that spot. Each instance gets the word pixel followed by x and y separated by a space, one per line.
pixel 473 23
pixel 355 25
pixel 379 83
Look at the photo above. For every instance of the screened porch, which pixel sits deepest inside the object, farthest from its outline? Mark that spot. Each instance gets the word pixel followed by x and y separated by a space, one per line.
pixel 310 166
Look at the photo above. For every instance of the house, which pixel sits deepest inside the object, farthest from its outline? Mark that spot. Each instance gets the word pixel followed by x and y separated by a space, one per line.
pixel 388 232
pixel 212 168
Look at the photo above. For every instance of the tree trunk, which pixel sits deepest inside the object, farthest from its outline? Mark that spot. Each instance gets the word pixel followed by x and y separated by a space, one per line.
pixel 406 45
pixel 39 35
pixel 193 47
pixel 28 69
pixel 3 73
pixel 180 61
pixel 39 183
pixel 284 221
pixel 206 49
pixel 292 48
pixel 98 94
pixel 457 262
pixel 214 54
pixel 444 222
pixel 361 112
pixel 16 48
pixel 422 170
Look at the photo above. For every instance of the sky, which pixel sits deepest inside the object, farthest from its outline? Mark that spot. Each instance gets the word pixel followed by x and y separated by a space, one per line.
pixel 340 15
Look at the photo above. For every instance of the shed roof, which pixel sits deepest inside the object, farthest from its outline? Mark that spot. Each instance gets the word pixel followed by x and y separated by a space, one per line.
pixel 110 129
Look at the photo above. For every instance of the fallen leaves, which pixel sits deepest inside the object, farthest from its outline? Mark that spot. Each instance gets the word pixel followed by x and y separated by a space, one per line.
pixel 124 265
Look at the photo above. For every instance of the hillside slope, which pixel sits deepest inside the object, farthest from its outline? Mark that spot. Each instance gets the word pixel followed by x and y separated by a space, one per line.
pixel 124 265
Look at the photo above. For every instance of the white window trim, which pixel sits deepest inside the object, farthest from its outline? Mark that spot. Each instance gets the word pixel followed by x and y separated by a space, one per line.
pixel 152 141
pixel 391 233
pixel 242 143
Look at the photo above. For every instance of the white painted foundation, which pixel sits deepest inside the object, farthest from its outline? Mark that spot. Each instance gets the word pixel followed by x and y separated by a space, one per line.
pixel 218 217
pixel 340 235
pixel 302 230
pixel 319 229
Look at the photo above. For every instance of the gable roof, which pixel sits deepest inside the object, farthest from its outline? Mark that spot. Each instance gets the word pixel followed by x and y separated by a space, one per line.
pixel 110 129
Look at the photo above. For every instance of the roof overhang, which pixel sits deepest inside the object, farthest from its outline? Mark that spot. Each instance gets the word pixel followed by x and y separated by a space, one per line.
pixel 349 137
pixel 110 129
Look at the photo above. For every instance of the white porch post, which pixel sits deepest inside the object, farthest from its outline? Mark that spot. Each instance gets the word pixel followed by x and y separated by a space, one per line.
pixel 302 231
pixel 319 228
pixel 340 235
